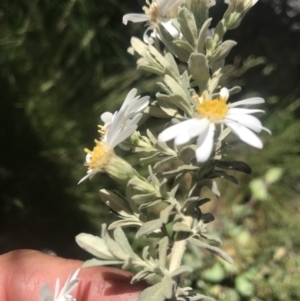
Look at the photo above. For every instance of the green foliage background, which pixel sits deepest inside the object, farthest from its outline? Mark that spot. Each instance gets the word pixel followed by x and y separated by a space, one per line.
pixel 63 63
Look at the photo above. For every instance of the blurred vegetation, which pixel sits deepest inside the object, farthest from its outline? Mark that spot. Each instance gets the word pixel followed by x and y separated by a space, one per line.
pixel 63 63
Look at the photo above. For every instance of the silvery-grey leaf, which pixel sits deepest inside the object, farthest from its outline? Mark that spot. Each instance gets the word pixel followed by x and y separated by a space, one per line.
pixel 168 286
pixel 156 112
pixel 94 245
pixel 122 241
pixel 187 25
pixel 149 227
pixel 142 275
pixel 152 293
pixel 115 202
pixel 172 70
pixel 180 270
pixel 178 96
pixel 180 227
pixel 212 249
pixel 222 51
pixel 184 46
pixel 124 223
pixel 212 238
pixel 199 69
pixel 199 297
pixel 165 213
pixel 202 36
pixel 98 262
pixel 176 183
pixel 114 248
pixel 180 169
pixel 138 45
pixel 163 247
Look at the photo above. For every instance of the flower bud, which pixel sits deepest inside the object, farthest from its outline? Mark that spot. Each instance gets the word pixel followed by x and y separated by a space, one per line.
pixel 236 11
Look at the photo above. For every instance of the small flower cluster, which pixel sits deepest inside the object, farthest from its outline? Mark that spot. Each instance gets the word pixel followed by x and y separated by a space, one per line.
pixel 158 12
pixel 117 127
pixel 210 112
pixel 188 56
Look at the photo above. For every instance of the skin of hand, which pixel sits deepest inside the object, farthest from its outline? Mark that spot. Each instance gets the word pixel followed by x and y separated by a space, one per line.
pixel 23 272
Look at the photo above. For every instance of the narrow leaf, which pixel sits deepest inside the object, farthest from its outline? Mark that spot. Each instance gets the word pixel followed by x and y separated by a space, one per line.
pixel 199 69
pixel 202 36
pixel 124 223
pixel 222 51
pixel 182 269
pixel 152 293
pixel 149 227
pixel 97 262
pixel 163 246
pixel 212 249
pixel 121 240
pixel 180 227
pixel 187 25
pixel 165 213
pixel 224 175
pixel 167 286
pixel 234 165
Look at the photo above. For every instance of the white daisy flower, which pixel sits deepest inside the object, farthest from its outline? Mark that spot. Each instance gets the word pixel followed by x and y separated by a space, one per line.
pixel 209 113
pixel 117 127
pixel 157 12
pixel 64 294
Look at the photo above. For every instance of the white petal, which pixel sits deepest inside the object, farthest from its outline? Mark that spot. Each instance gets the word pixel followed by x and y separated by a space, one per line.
pixel 198 127
pixel 71 282
pixel 248 121
pixel 130 95
pixel 138 106
pixel 244 111
pixel 248 101
pixel 205 144
pixel 182 138
pixel 121 136
pixel 56 290
pixel 172 30
pixel 203 134
pixel 148 39
pixel 174 130
pixel 191 128
pixel 215 189
pixel 267 130
pixel 245 134
pixel 115 127
pixel 106 117
pixel 135 18
pixel 46 293
pixel 224 93
pixel 134 120
pixel 88 158
pixel 84 178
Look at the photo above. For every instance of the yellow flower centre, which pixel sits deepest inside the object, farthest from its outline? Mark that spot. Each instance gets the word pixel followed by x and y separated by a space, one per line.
pixel 152 11
pixel 212 109
pixel 99 156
